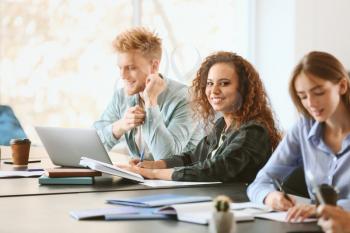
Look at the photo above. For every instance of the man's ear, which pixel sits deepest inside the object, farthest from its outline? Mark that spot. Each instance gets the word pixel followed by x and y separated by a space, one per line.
pixel 155 66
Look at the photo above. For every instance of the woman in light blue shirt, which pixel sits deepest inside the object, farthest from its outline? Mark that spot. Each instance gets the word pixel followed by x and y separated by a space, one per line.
pixel 320 140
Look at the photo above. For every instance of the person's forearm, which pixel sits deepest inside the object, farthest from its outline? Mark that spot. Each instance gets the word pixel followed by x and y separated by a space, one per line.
pixel 158 174
pixel 117 130
pixel 160 164
pixel 163 174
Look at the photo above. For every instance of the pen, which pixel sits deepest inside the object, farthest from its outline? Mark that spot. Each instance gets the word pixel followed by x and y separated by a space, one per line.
pixel 278 186
pixel 34 169
pixel 142 155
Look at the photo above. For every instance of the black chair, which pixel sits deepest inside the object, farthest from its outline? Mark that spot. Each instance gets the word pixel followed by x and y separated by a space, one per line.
pixel 9 126
pixel 295 183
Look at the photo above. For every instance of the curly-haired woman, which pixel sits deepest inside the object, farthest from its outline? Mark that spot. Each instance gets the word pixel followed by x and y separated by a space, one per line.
pixel 239 143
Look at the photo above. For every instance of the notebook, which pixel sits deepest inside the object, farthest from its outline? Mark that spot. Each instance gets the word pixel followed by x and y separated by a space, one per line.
pixel 159 200
pixel 71 172
pixel 198 213
pixel 43 180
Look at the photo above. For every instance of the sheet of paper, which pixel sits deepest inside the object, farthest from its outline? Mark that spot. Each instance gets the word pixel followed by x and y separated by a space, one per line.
pixel 166 183
pixel 301 200
pixel 249 208
pixel 7 174
pixel 248 205
pixel 281 217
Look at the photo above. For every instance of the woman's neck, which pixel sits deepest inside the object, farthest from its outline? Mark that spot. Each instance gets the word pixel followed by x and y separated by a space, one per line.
pixel 228 118
pixel 339 122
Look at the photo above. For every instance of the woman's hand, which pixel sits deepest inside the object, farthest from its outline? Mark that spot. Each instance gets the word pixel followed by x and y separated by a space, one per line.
pixel 300 212
pixel 158 164
pixel 278 201
pixel 161 174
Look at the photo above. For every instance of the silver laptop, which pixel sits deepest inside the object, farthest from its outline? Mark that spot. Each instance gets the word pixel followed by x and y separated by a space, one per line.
pixel 66 146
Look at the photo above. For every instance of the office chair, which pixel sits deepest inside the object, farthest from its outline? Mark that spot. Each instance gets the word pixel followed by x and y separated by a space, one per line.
pixel 9 126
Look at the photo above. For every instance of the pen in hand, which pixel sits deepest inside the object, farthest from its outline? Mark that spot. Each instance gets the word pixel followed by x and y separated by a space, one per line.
pixel 278 186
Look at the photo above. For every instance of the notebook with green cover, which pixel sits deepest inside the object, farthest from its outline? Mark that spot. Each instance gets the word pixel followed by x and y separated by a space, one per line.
pixel 43 180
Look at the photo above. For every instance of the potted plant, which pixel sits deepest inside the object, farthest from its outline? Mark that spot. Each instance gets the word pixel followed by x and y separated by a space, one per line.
pixel 222 220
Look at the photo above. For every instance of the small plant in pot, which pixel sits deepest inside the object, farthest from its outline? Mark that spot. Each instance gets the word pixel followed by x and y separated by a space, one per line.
pixel 222 220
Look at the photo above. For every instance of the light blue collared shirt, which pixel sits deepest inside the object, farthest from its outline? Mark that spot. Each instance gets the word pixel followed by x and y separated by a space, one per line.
pixel 304 145
pixel 169 127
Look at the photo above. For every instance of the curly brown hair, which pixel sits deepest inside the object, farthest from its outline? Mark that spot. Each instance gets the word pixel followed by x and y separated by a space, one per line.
pixel 255 103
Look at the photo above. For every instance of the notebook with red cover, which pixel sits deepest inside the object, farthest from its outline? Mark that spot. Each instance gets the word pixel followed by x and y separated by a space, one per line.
pixel 71 172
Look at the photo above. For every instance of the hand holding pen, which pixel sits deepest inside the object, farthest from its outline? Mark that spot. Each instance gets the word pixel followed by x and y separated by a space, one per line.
pixel 278 200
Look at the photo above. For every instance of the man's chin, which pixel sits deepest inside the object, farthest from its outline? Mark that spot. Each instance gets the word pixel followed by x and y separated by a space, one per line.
pixel 132 91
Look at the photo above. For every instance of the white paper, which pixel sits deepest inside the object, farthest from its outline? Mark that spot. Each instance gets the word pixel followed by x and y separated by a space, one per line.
pixel 7 174
pixel 301 200
pixel 165 183
pixel 281 217
pixel 249 205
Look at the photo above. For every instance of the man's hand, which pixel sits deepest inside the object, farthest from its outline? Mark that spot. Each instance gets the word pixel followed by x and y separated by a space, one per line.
pixel 133 117
pixel 154 86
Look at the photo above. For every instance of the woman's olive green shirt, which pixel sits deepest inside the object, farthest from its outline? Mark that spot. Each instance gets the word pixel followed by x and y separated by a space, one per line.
pixel 243 152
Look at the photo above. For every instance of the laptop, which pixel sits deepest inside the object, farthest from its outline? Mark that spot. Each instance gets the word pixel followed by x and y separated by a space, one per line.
pixel 66 146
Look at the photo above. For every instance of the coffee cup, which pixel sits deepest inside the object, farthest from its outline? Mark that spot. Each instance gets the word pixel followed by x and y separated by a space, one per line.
pixel 20 151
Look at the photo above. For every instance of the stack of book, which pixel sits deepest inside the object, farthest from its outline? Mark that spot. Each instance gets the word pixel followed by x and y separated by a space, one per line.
pixel 68 176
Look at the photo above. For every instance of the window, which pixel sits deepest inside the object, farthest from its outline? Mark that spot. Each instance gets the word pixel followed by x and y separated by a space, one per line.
pixel 57 64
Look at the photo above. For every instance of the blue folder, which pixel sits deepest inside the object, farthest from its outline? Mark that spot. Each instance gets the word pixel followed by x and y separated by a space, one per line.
pixel 119 213
pixel 159 200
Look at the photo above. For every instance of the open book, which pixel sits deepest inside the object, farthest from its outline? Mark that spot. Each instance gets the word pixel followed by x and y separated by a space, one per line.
pixel 199 213
pixel 117 171
pixel 110 169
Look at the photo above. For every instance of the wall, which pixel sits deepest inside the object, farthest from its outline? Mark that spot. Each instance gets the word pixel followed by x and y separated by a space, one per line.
pixel 275 52
pixel 323 25
pixel 285 31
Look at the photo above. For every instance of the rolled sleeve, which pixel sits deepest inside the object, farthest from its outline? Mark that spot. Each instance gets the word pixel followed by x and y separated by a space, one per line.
pixel 165 139
pixel 104 126
pixel 106 136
